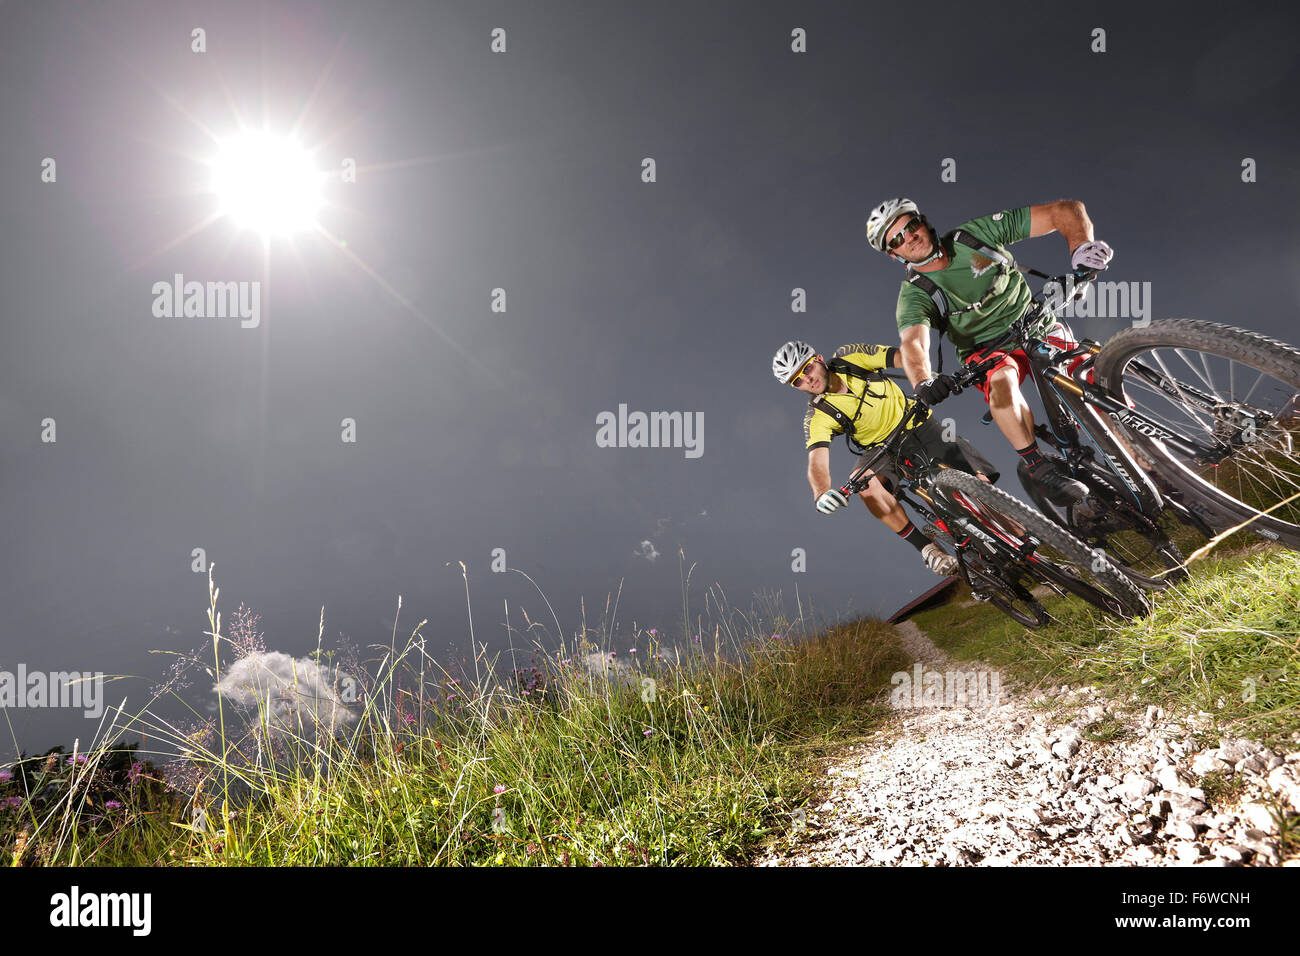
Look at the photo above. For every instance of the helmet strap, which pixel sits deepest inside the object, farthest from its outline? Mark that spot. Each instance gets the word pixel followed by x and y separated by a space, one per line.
pixel 934 241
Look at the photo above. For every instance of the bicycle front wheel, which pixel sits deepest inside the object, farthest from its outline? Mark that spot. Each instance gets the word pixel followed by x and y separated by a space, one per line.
pixel 1218 386
pixel 1059 558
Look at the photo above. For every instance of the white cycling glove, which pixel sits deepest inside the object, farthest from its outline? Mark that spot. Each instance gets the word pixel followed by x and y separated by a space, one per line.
pixel 831 500
pixel 1092 255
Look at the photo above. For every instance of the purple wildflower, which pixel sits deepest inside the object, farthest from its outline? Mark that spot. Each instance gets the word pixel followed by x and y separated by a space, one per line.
pixel 499 788
pixel 113 804
pixel 647 733
pixel 653 632
pixel 12 803
pixel 6 775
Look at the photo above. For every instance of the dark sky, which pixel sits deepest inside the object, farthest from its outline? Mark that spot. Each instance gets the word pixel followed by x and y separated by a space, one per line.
pixel 522 170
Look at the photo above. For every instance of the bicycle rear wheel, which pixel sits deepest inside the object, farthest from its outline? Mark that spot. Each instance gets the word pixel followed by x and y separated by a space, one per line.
pixel 1059 558
pixel 1222 386
pixel 1008 595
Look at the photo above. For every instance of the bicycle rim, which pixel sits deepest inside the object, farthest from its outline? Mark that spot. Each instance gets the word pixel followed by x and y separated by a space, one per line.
pixel 1058 558
pixel 1011 598
pixel 1255 415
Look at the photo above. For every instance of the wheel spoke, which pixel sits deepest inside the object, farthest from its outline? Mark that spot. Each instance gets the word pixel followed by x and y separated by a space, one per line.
pixel 1254 424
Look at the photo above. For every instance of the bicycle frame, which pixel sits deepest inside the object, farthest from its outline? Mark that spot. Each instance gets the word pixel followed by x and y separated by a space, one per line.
pixel 1067 400
pixel 1071 400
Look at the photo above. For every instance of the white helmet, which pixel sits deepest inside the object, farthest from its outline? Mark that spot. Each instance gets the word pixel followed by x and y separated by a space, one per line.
pixel 882 216
pixel 790 358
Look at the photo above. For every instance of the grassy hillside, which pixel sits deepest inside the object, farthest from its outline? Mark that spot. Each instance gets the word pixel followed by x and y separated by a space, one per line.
pixel 689 761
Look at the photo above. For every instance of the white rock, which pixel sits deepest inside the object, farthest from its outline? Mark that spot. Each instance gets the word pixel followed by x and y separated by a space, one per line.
pixel 1136 786
pixel 1208 762
pixel 1282 781
pixel 1066 747
pixel 1188 853
pixel 1257 816
pixel 1254 764
pixel 1183 831
pixel 1233 751
pixel 1181 806
pixel 1231 853
pixel 1169 778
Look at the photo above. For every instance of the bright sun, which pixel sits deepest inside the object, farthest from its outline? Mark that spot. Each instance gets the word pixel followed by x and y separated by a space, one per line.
pixel 267 183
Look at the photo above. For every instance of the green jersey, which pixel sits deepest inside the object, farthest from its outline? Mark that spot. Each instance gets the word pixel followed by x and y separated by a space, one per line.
pixel 967 279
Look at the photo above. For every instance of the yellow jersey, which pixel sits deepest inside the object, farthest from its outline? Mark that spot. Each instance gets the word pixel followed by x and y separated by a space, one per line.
pixel 875 405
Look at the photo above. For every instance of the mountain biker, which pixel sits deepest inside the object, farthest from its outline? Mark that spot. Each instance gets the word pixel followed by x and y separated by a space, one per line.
pixel 854 392
pixel 984 294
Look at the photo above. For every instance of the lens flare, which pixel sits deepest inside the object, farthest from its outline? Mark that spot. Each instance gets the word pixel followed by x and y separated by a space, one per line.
pixel 267 183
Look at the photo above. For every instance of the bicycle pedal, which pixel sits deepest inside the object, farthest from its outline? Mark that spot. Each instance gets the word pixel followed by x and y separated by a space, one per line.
pixel 1045 434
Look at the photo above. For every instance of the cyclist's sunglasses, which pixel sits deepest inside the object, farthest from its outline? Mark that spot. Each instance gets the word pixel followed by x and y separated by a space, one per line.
pixel 798 379
pixel 899 238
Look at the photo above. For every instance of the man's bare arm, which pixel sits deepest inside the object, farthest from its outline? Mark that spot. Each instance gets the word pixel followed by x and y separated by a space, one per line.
pixel 914 352
pixel 819 470
pixel 1066 216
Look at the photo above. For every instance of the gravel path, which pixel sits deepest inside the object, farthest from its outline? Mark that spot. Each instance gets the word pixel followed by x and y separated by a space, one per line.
pixel 976 773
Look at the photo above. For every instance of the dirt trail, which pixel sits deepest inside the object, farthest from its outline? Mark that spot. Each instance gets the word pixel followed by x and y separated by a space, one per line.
pixel 976 771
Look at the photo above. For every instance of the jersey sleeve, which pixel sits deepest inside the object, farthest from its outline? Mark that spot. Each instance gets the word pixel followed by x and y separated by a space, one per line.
pixel 866 356
pixel 915 308
pixel 1001 228
pixel 817 430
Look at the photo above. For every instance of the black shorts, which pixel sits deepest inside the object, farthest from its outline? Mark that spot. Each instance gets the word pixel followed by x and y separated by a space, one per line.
pixel 927 438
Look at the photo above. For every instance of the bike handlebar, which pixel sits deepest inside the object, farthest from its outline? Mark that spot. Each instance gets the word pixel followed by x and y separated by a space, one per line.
pixel 1076 282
